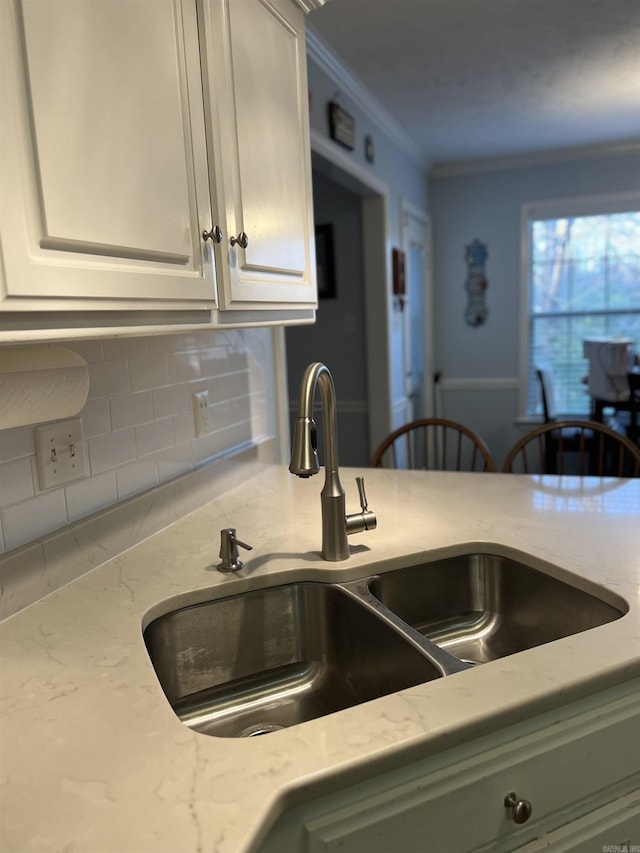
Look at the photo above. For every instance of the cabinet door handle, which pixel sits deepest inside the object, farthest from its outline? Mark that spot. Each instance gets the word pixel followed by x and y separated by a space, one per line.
pixel 520 809
pixel 215 234
pixel 242 240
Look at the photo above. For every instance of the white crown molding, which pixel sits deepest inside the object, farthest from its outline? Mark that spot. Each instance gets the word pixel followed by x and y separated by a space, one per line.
pixel 540 158
pixel 348 84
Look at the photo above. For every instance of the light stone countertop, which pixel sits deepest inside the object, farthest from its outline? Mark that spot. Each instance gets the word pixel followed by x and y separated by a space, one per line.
pixel 92 758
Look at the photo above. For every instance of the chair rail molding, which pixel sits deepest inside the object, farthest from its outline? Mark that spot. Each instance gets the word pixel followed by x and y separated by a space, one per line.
pixel 479 384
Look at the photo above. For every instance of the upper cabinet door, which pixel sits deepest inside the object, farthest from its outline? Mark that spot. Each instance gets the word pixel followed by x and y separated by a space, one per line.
pixel 105 171
pixel 257 101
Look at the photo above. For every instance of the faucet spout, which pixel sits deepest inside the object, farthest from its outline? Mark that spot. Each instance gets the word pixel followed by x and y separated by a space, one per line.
pixel 304 460
pixel 304 455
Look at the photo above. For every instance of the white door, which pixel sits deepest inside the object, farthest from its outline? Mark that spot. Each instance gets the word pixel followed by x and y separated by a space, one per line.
pixel 255 67
pixel 418 340
pixel 104 169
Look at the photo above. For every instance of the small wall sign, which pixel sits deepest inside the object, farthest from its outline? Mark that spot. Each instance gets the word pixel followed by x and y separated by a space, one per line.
pixel 475 254
pixel 342 126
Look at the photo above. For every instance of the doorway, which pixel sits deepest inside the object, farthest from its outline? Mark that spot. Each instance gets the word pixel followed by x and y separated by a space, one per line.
pixel 338 338
pixel 366 414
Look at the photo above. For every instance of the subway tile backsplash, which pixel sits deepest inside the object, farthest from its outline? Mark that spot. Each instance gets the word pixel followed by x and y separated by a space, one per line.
pixel 138 423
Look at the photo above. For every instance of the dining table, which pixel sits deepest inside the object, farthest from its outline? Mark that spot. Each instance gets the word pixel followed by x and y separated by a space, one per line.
pixel 630 403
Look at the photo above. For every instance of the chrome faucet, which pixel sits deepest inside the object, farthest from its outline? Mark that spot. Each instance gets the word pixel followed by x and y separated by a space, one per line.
pixel 336 525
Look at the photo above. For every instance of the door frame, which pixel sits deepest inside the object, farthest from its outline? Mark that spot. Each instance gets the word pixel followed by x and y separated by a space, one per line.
pixel 415 227
pixel 377 275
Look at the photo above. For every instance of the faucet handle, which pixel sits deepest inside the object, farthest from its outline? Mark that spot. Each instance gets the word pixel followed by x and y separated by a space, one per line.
pixel 230 561
pixel 362 493
pixel 361 521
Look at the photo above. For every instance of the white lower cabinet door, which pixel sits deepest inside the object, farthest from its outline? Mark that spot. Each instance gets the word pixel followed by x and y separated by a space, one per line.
pixel 104 168
pixel 560 767
pixel 614 828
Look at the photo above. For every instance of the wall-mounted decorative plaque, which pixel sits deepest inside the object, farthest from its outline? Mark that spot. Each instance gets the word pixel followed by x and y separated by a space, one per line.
pixel 342 126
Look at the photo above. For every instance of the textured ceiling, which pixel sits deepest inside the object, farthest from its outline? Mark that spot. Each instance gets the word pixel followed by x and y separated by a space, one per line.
pixel 469 79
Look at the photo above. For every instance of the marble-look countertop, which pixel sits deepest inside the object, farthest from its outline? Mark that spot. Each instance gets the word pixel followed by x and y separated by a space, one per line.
pixel 94 759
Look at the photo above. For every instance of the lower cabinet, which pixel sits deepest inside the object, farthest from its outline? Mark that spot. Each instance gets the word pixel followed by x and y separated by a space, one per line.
pixel 566 780
pixel 614 828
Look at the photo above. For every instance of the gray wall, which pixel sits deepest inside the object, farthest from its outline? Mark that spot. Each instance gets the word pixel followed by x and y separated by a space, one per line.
pixel 487 205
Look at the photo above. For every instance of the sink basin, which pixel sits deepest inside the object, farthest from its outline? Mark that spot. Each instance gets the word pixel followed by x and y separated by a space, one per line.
pixel 480 607
pixel 253 663
pixel 263 660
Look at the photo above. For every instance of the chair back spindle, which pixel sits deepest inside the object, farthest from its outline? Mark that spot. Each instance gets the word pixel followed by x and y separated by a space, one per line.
pixel 433 444
pixel 583 448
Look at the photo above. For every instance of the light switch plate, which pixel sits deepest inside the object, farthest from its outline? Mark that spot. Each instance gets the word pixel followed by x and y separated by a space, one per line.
pixel 201 412
pixel 60 453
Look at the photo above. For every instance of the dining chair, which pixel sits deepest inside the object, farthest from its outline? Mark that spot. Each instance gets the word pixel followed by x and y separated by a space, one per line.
pixel 571 437
pixel 544 376
pixel 594 450
pixel 436 444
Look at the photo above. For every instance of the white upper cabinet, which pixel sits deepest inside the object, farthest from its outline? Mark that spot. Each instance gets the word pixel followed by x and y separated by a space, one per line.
pixel 104 160
pixel 257 107
pixel 129 128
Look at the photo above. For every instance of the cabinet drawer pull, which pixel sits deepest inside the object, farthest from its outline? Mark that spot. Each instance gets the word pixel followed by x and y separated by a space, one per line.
pixel 242 240
pixel 215 234
pixel 520 809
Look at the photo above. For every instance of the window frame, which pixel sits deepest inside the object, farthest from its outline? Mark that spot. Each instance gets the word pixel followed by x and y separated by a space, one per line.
pixel 593 205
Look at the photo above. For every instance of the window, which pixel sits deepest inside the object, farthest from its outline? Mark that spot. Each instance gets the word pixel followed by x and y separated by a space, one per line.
pixel 582 281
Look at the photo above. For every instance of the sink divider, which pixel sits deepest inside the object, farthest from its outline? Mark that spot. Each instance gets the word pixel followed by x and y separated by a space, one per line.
pixel 445 663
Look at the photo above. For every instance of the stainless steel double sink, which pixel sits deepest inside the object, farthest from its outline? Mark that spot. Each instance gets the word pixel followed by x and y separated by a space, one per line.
pixel 275 657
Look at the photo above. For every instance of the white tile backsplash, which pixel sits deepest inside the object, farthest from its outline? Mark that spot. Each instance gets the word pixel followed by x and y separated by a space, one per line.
pixel 175 343
pixel 136 477
pixel 183 366
pixel 138 423
pixel 213 360
pixel 111 450
pixel 88 496
pixel 148 371
pixel 107 378
pixel 90 350
pixel 184 429
pixel 170 400
pixel 16 443
pixel 154 436
pixel 174 462
pixel 16 483
pixel 118 348
pixel 96 417
pixel 131 409
pixel 34 517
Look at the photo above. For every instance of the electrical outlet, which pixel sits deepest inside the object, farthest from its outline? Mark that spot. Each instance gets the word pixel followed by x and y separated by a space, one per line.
pixel 60 453
pixel 201 412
